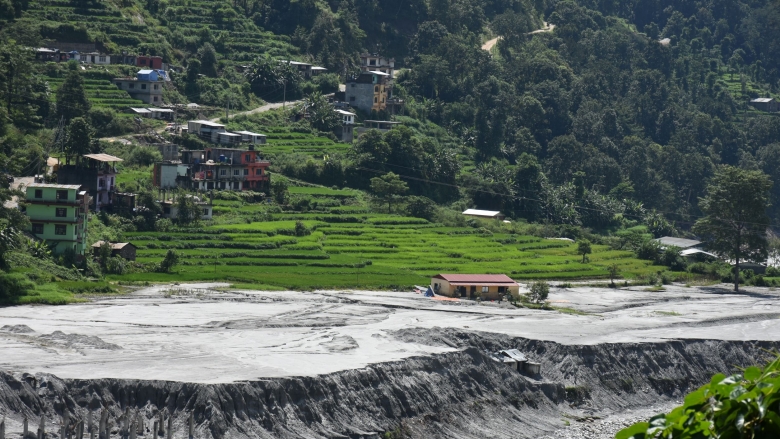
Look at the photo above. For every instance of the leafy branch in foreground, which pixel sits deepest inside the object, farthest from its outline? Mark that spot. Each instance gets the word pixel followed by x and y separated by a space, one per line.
pixel 740 406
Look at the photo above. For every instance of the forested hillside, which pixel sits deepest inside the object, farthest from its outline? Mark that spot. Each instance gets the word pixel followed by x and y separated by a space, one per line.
pixel 621 113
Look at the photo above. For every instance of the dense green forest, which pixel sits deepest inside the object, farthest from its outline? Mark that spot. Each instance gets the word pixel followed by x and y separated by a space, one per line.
pixel 597 123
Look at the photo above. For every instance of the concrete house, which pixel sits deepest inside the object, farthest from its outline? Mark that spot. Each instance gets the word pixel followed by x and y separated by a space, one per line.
pixel 374 62
pixel 769 105
pixel 206 130
pixel 486 286
pixel 226 169
pixel 95 58
pixel 146 86
pixel 58 214
pixel 124 250
pixel 169 175
pixel 97 173
pixel 252 138
pixel 368 91
pixel 345 132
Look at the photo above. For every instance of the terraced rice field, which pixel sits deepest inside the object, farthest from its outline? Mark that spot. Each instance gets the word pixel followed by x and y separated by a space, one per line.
pixel 351 248
pixel 101 93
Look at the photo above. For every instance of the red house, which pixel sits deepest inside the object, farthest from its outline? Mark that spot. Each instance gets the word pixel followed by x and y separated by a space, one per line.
pixel 151 62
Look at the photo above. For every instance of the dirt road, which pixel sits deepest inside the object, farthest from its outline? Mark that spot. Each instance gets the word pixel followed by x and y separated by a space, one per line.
pixel 261 109
pixel 491 43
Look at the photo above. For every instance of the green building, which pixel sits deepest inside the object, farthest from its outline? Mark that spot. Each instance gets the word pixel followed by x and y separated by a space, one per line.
pixel 58 214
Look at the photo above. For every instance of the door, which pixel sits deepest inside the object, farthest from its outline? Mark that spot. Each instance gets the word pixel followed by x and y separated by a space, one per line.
pixel 462 291
pixel 473 291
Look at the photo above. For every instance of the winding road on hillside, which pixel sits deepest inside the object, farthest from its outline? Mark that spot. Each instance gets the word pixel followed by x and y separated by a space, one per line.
pixel 491 43
pixel 260 109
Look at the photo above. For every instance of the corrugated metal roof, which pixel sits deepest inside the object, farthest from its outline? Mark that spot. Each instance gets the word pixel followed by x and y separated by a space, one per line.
pixel 678 242
pixel 477 212
pixel 103 158
pixel 345 113
pixel 208 123
pixel 114 246
pixel 54 186
pixel 514 354
pixel 249 133
pixel 762 100
pixel 477 278
pixel 694 251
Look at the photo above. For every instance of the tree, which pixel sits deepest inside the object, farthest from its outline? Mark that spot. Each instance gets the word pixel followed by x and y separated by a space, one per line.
pixel 421 207
pixel 539 292
pixel 8 240
pixel 104 254
pixel 72 99
pixel 584 248
pixel 78 137
pixel 321 114
pixel 736 221
pixel 188 211
pixel 388 187
pixel 208 60
pixel 171 260
pixel 614 272
pixel 280 190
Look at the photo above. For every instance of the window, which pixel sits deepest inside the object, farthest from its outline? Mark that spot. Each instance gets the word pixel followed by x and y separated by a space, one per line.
pixel 156 86
pixel 37 229
pixel 39 193
pixel 205 212
pixel 131 85
pixel 372 62
pixel 376 89
pixel 501 289
pixel 101 183
pixel 61 212
pixel 484 289
pixel 258 172
pixel 83 57
pixel 60 229
pixel 375 100
pixel 102 59
pixel 143 86
pixel 155 98
pixel 236 186
pixel 248 158
pixel 142 61
pixel 223 172
pixel 62 195
pixel 167 210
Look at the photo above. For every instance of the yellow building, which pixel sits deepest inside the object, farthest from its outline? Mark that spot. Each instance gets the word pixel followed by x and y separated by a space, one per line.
pixel 485 286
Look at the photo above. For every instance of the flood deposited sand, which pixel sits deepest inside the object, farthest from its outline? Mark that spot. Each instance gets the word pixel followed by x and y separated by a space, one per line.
pixel 196 333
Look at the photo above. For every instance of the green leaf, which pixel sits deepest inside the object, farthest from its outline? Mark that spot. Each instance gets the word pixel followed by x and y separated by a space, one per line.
pixel 752 373
pixel 636 431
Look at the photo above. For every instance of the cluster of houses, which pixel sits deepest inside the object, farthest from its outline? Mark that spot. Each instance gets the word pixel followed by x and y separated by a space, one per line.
pixel 88 54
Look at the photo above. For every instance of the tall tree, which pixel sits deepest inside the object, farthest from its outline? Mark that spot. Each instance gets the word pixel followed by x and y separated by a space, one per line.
pixel 78 137
pixel 72 99
pixel 208 60
pixel 736 218
pixel 388 187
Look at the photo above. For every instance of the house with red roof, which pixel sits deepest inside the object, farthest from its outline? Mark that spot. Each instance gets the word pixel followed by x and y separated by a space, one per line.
pixel 471 286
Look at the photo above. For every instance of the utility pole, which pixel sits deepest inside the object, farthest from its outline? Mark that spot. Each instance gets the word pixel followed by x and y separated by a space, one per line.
pixel 227 109
pixel 284 102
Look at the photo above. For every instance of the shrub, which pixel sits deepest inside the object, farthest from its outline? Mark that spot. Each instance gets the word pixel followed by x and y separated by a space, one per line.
pixel 171 260
pixel 13 286
pixel 648 251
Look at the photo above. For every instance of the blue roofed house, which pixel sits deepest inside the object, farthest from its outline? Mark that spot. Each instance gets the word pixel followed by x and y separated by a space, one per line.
pixel 147 86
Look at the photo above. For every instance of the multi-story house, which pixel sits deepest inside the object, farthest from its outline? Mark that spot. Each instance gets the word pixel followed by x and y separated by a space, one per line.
pixel 345 131
pixel 58 214
pixel 226 169
pixel 147 86
pixel 373 62
pixel 368 91
pixel 97 174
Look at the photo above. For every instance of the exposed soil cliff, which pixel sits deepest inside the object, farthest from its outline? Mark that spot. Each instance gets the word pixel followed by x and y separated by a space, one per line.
pixel 462 394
